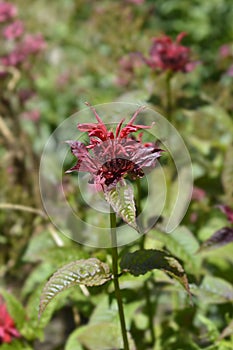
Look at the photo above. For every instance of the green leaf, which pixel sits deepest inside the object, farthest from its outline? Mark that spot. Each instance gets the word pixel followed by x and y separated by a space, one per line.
pixel 212 332
pixel 52 257
pixel 37 276
pixel 101 336
pixel 121 199
pixel 14 307
pixel 142 261
pixel 181 243
pixel 227 176
pixel 90 272
pixel 15 345
pixel 104 312
pixel 72 342
pixel 213 290
pixel 37 244
pixel 227 331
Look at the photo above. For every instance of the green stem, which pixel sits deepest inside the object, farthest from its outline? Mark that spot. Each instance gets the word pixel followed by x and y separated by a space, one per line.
pixel 150 309
pixel 116 280
pixel 139 210
pixel 149 305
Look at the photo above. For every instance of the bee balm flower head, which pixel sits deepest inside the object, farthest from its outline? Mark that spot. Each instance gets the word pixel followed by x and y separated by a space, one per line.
pixel 109 156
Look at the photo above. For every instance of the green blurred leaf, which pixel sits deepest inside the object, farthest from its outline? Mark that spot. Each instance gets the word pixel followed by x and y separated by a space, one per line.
pixel 227 176
pixel 38 244
pixel 212 332
pixel 72 342
pixel 101 336
pixel 34 327
pixel 142 261
pixel 15 308
pixel 181 243
pixel 15 345
pixel 121 199
pixel 213 290
pixel 104 312
pixel 227 331
pixel 37 276
pixel 90 272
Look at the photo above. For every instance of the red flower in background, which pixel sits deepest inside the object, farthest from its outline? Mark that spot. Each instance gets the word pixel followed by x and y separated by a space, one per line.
pixel 8 330
pixel 110 157
pixel 166 54
pixel 7 11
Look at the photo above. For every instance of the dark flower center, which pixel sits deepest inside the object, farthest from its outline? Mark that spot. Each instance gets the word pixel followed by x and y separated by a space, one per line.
pixel 116 168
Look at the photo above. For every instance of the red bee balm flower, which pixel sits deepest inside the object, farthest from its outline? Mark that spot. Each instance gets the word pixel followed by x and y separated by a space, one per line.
pixel 168 55
pixel 7 326
pixel 110 157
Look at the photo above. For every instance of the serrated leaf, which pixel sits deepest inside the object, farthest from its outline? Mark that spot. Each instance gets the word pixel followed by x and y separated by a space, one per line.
pixel 142 261
pixel 90 272
pixel 218 239
pixel 213 290
pixel 121 199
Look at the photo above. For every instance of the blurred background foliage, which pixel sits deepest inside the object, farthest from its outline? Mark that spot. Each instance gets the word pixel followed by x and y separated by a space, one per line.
pixel 88 47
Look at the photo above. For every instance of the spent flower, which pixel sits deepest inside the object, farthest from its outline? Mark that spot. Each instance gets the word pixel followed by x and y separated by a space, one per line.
pixel 109 156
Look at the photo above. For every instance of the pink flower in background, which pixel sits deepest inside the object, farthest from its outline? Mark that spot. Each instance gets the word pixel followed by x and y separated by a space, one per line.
pixel 229 72
pixel 14 58
pixel 33 44
pixel 166 54
pixel 128 65
pixel 110 157
pixel 136 2
pixel 225 51
pixel 8 330
pixel 13 30
pixel 25 94
pixel 63 79
pixel 33 115
pixel 198 194
pixel 7 11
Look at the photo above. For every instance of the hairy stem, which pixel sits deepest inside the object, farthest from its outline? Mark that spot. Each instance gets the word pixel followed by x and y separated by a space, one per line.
pixel 116 280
